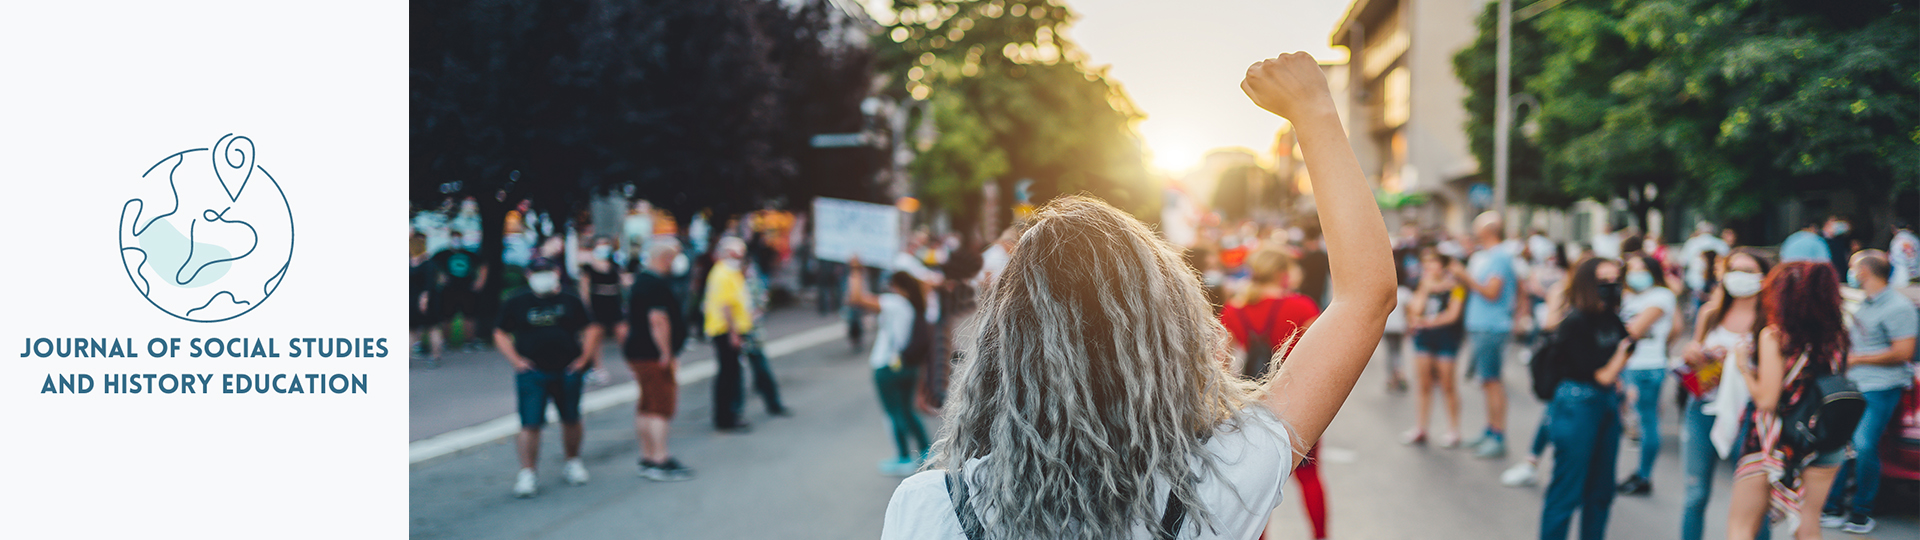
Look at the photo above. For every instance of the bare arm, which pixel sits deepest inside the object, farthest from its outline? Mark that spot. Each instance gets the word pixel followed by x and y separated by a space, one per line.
pixel 1489 288
pixel 1900 353
pixel 590 349
pixel 504 342
pixel 1643 322
pixel 1309 389
pixel 1610 373
pixel 1772 372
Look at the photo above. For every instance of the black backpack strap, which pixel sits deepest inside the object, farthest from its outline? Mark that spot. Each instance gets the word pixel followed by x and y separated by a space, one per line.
pixel 957 491
pixel 1175 516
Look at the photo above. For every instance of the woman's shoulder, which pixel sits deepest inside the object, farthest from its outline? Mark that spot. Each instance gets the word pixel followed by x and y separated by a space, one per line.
pixel 920 508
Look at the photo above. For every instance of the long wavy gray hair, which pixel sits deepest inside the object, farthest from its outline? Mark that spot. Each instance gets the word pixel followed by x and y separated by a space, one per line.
pixel 1096 366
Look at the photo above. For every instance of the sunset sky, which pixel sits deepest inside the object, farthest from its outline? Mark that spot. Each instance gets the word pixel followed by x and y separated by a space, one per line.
pixel 1183 64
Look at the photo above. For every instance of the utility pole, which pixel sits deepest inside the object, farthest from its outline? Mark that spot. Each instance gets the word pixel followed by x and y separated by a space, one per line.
pixel 1502 106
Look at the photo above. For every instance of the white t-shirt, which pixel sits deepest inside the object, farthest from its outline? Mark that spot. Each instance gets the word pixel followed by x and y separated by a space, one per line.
pixel 893 327
pixel 1397 319
pixel 1254 459
pixel 1651 352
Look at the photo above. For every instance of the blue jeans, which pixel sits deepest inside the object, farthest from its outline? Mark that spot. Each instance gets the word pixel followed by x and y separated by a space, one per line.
pixel 1586 442
pixel 1700 459
pixel 1647 383
pixel 1864 468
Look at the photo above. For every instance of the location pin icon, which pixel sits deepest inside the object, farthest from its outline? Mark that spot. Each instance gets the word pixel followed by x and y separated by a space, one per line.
pixel 233 163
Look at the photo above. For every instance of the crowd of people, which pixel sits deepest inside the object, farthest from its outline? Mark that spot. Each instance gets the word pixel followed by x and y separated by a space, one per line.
pixel 1101 372
pixel 572 290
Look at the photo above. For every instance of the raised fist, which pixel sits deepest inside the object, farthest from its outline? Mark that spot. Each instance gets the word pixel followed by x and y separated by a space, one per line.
pixel 1290 85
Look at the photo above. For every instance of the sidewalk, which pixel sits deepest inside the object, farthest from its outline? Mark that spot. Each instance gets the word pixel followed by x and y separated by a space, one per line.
pixel 469 389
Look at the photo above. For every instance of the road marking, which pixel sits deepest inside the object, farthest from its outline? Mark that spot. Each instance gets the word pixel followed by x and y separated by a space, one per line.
pixel 605 398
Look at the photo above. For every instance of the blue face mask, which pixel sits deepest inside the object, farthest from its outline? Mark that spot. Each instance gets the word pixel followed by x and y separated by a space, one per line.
pixel 1853 278
pixel 1639 280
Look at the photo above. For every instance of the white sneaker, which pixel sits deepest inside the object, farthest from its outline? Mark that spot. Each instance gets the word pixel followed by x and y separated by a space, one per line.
pixel 575 472
pixel 525 485
pixel 1832 521
pixel 1520 475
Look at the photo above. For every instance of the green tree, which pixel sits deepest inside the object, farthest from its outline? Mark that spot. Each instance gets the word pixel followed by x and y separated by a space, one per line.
pixel 1008 86
pixel 1727 105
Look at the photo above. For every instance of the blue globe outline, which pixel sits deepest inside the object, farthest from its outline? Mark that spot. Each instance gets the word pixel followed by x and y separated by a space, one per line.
pixel 266 293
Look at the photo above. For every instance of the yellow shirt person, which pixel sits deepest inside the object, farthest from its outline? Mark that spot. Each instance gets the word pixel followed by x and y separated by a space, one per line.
pixel 726 297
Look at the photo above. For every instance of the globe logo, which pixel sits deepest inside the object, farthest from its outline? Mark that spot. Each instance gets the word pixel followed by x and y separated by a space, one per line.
pixel 210 236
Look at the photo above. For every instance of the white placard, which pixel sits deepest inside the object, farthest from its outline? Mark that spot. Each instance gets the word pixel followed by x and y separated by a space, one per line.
pixel 843 229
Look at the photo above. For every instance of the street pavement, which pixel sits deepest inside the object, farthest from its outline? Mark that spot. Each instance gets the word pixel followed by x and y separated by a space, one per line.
pixel 813 475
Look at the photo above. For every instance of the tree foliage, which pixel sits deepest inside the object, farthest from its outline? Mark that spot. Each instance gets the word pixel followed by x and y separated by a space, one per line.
pixel 1008 88
pixel 1730 105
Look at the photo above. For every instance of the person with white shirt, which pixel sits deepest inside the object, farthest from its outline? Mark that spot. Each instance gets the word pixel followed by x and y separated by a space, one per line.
pixel 1705 238
pixel 1904 254
pixel 900 349
pixel 1647 308
pixel 1101 333
pixel 1606 245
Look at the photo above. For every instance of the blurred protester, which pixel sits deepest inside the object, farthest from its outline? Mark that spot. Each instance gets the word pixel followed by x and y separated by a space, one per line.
pixel 1265 321
pixel 1648 309
pixel 1591 348
pixel 1489 277
pixel 1727 323
pixel 1395 338
pixel 753 349
pixel 1693 257
pixel 466 277
pixel 1904 254
pixel 1804 338
pixel 1806 244
pixel 601 290
pixel 1838 232
pixel 1548 282
pixel 1313 264
pixel 653 353
pixel 902 345
pixel 1099 301
pixel 1206 262
pixel 1607 243
pixel 547 337
pixel 1881 364
pixel 993 261
pixel 729 317
pixel 1435 318
pixel 424 280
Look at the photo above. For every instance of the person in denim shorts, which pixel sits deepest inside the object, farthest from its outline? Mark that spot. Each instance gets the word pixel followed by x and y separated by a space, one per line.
pixel 547 338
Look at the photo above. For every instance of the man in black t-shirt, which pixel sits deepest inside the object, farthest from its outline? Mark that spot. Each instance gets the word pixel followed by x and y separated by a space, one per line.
pixel 465 277
pixel 652 348
pixel 545 335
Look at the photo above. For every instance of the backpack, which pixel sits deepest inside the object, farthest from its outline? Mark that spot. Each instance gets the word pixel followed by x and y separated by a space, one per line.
pixel 919 343
pixel 1823 419
pixel 1543 365
pixel 1259 347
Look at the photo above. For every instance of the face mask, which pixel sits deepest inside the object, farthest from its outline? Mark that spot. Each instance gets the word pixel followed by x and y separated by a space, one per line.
pixel 601 253
pixel 681 265
pixel 1610 293
pixel 1841 228
pixel 1853 278
pixel 1741 284
pixel 1639 280
pixel 543 283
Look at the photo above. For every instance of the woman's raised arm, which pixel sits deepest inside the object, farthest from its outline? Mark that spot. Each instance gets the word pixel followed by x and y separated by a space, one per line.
pixel 1322 368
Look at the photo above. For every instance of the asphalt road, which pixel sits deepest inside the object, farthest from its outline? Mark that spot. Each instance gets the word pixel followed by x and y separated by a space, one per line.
pixel 813 475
